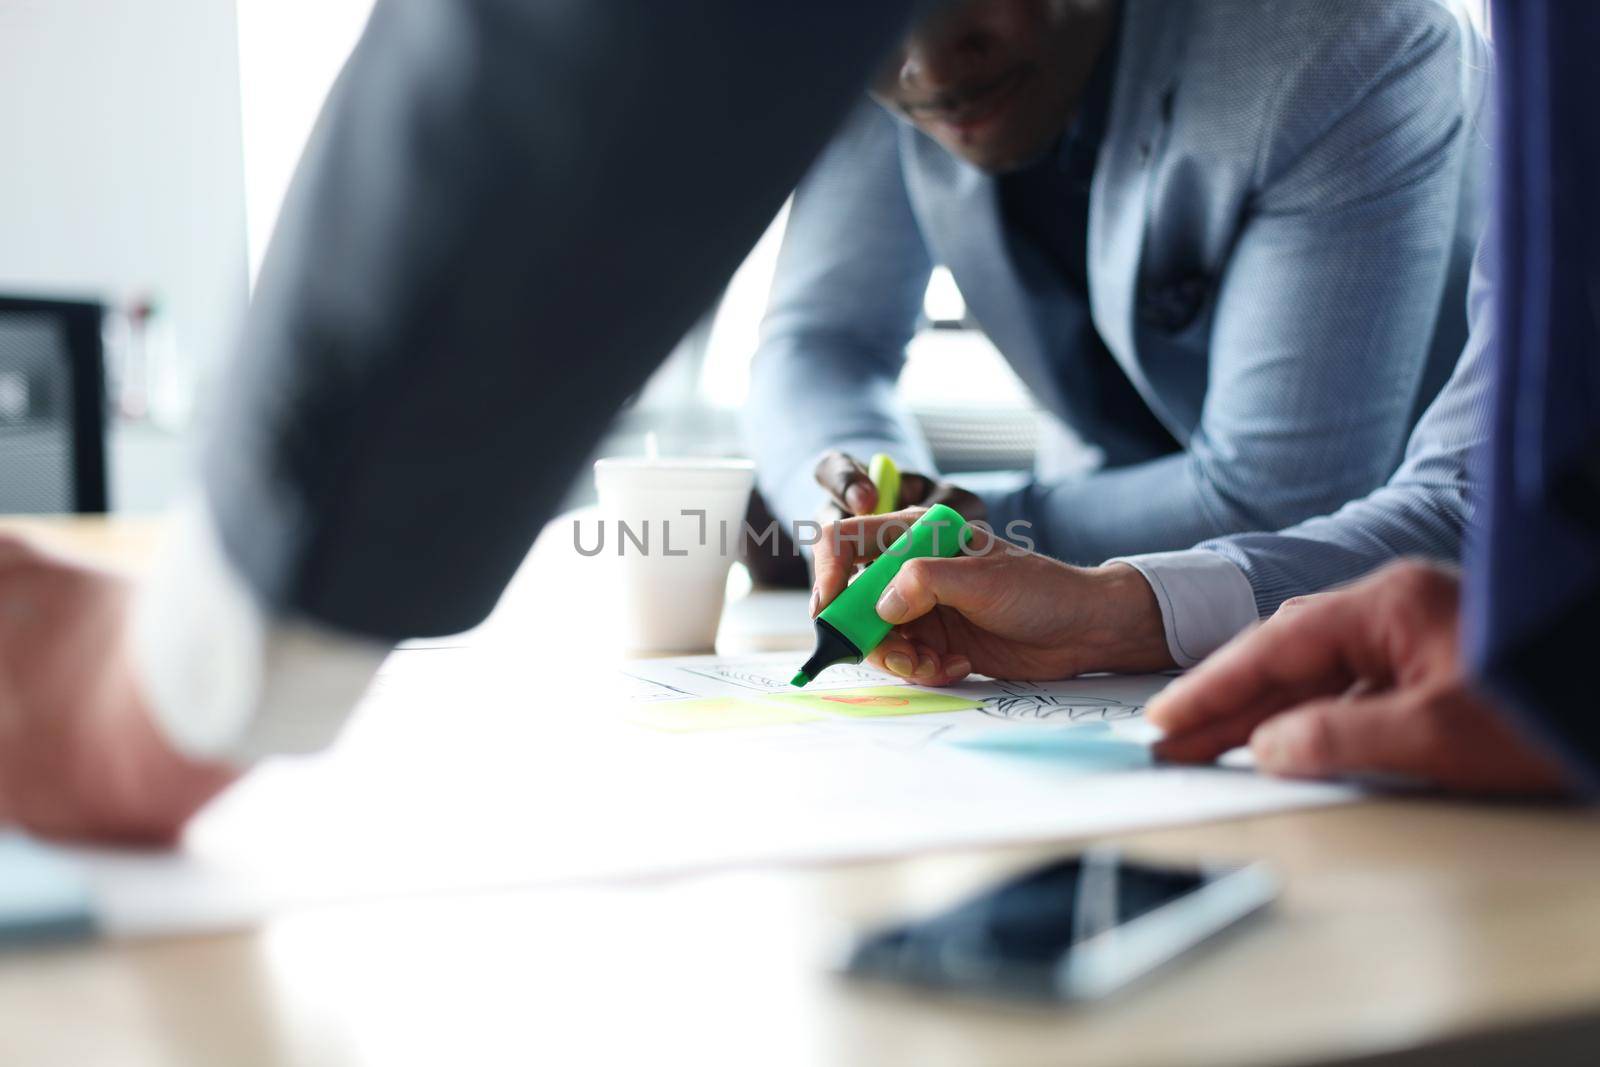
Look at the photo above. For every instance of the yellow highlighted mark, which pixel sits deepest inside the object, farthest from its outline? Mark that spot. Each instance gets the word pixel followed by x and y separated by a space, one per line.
pixel 877 701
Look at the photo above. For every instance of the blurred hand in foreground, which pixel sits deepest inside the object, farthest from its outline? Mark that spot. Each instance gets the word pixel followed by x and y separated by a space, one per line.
pixel 80 755
pixel 1365 681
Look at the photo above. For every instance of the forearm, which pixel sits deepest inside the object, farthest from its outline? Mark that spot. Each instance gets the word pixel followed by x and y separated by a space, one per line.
pixel 1210 593
pixel 1200 600
pixel 1422 511
pixel 1126 629
pixel 1160 506
pixel 1360 538
pixel 808 398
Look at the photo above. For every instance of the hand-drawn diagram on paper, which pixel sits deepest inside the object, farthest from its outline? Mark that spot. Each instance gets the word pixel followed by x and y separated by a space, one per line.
pixel 643 690
pixel 964 711
pixel 1037 701
pixel 774 678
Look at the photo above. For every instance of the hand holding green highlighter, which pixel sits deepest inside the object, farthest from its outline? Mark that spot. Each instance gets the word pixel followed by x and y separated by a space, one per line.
pixel 849 628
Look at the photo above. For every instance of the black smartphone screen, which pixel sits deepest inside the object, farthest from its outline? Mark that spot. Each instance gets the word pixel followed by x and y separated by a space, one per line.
pixel 1016 938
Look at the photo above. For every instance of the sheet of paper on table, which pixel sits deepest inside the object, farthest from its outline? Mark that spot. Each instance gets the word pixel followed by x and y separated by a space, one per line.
pixel 465 769
pixel 1027 714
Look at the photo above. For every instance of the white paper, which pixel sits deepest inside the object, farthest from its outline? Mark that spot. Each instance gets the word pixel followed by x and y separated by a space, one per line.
pixel 467 770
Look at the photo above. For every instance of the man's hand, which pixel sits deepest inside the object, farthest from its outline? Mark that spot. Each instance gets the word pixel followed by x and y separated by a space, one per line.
pixel 1363 681
pixel 998 610
pixel 80 756
pixel 851 492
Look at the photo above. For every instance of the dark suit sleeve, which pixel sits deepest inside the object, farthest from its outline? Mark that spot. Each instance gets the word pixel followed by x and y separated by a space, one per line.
pixel 1533 582
pixel 508 214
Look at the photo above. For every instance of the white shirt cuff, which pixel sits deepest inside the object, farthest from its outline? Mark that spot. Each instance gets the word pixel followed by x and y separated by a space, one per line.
pixel 224 679
pixel 1205 600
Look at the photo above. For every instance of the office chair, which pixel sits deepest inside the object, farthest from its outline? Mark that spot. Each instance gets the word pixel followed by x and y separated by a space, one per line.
pixel 52 407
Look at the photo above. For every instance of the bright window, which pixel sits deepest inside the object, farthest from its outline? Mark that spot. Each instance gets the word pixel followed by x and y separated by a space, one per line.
pixel 290 51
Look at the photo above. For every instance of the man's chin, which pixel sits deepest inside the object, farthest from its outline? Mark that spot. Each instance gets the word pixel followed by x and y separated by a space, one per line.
pixel 997 156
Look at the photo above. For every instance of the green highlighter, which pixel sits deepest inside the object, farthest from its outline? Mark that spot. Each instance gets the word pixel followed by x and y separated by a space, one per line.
pixel 849 628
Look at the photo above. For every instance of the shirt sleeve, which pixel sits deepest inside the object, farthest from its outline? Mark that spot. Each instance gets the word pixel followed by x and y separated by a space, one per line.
pixel 224 678
pixel 1205 600
pixel 844 304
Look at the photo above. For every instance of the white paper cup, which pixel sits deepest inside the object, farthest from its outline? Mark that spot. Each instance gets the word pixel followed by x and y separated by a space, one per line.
pixel 674 526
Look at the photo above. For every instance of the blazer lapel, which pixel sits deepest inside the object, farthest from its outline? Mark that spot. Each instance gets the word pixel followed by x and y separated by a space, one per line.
pixel 1119 200
pixel 958 208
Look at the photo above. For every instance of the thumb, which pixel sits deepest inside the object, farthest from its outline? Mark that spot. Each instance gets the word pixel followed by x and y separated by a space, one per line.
pixel 926 583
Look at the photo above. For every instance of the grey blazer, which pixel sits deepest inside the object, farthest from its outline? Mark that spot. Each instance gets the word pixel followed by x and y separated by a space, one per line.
pixel 1282 220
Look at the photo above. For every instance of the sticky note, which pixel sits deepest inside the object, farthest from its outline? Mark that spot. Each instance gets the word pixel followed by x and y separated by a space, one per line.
pixel 1091 746
pixel 717 713
pixel 42 896
pixel 876 701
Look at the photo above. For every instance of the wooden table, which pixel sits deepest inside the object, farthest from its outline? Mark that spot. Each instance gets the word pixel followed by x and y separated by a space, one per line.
pixel 1410 930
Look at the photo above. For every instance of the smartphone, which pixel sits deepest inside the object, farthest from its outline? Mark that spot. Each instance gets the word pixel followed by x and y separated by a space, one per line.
pixel 1073 930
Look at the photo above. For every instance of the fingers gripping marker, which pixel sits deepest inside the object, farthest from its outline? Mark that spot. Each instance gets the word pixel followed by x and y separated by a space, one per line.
pixel 850 628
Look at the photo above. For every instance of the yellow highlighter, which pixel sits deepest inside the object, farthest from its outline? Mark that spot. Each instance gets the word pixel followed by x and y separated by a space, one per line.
pixel 886 476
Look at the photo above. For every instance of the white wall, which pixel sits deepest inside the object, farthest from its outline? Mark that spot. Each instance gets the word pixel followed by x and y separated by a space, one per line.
pixel 120 158
pixel 290 51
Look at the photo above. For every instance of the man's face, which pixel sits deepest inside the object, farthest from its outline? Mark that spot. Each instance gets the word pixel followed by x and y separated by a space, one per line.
pixel 996 81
